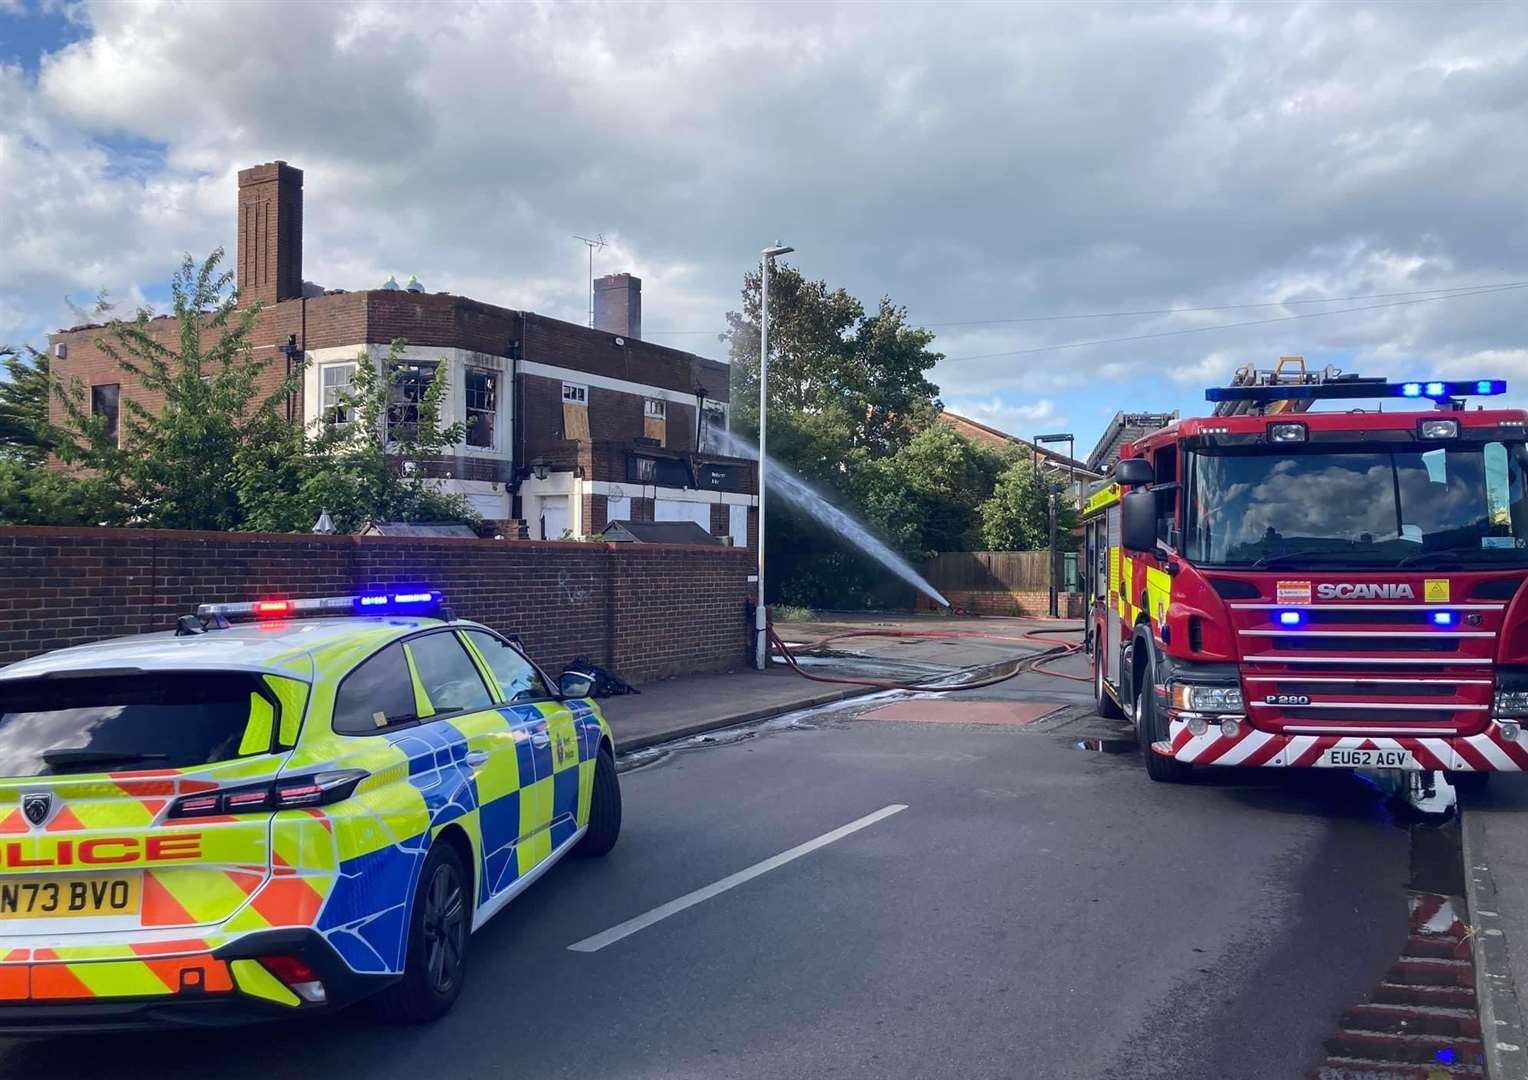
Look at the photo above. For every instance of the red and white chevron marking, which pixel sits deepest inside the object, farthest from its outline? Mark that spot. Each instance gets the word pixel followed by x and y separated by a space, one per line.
pixel 1486 752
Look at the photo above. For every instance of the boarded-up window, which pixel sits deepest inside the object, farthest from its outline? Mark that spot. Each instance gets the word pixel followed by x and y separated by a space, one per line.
pixel 575 411
pixel 655 420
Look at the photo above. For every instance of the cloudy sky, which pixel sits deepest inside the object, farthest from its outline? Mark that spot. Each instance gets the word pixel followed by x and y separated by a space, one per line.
pixel 1016 175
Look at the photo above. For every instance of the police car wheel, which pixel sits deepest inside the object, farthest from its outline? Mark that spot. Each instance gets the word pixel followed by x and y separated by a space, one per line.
pixel 604 808
pixel 1164 770
pixel 435 963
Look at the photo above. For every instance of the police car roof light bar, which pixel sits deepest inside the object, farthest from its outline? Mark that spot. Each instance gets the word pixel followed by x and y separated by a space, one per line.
pixel 1434 389
pixel 404 602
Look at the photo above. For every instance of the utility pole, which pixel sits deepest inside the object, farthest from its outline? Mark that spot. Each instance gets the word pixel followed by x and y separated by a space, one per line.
pixel 761 615
pixel 593 245
pixel 1053 508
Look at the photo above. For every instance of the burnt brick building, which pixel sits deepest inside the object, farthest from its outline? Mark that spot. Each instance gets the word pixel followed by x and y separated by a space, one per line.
pixel 568 427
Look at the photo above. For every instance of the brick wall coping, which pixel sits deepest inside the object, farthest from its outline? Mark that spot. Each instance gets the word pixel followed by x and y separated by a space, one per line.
pixel 62 532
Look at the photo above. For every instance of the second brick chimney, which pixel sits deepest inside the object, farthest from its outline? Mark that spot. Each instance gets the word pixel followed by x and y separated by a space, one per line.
pixel 618 305
pixel 270 234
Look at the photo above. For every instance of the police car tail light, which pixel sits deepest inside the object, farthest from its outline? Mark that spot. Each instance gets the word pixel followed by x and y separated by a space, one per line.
pixel 297 976
pixel 318 789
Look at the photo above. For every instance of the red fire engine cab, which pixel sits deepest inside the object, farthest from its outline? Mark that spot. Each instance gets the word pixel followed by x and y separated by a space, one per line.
pixel 1291 589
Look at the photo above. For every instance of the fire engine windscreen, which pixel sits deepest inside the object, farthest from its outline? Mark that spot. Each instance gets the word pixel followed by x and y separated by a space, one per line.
pixel 1422 505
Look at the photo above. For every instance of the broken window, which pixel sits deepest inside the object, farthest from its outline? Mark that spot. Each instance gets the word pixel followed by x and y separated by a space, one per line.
pixel 411 381
pixel 482 407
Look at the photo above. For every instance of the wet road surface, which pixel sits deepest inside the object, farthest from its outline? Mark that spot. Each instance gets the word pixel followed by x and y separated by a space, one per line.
pixel 1036 910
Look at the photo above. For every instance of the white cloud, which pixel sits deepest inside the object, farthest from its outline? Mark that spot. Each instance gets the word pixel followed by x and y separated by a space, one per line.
pixel 1017 161
pixel 1020 420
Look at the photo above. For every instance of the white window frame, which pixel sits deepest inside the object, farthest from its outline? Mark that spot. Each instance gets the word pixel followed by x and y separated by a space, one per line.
pixel 426 371
pixel 468 411
pixel 656 408
pixel 324 405
pixel 575 394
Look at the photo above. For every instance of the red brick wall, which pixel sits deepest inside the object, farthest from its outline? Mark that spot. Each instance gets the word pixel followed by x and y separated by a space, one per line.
pixel 645 611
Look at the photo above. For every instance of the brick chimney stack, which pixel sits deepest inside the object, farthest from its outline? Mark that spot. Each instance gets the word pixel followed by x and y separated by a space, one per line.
pixel 618 305
pixel 270 234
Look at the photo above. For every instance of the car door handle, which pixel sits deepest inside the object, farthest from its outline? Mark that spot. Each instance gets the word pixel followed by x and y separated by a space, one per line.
pixel 477 758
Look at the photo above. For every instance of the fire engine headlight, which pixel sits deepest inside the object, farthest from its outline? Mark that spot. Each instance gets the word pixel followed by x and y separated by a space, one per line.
pixel 1439 429
pixel 1286 433
pixel 1197 697
pixel 1511 693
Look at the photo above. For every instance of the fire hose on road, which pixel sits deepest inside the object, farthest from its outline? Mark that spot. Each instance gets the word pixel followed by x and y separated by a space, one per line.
pixel 1052 652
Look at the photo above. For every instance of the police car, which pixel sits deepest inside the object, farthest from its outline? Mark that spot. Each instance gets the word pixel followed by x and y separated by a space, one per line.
pixel 280 808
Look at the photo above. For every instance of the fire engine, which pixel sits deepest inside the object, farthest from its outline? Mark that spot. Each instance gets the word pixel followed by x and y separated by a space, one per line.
pixel 1277 587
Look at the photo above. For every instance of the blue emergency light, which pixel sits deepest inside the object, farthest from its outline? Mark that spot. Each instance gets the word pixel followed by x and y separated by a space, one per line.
pixel 1291 618
pixel 1444 618
pixel 1349 389
pixel 411 602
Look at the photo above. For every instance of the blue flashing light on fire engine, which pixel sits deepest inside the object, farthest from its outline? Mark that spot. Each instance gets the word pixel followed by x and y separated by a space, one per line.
pixel 1444 618
pixel 1291 618
pixel 1355 388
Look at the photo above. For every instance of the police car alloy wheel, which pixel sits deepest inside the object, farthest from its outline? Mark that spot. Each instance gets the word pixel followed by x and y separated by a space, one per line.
pixel 437 945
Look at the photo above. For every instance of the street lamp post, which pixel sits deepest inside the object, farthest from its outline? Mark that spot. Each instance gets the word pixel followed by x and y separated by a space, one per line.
pixel 1053 509
pixel 760 615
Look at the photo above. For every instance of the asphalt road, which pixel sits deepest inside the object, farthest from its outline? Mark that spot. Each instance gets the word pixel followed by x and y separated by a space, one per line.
pixel 1035 911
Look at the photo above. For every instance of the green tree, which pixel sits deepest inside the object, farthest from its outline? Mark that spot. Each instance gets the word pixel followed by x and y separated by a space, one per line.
pixel 174 464
pixel 840 381
pixel 24 431
pixel 375 458
pixel 36 495
pixel 1016 516
pixel 945 477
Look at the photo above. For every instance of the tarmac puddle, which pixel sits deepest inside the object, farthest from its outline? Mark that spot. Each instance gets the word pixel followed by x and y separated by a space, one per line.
pixel 1106 746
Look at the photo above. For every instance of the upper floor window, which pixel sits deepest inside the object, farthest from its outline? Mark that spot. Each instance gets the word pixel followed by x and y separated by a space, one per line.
pixel 335 382
pixel 411 380
pixel 575 394
pixel 103 402
pixel 713 429
pixel 655 408
pixel 482 407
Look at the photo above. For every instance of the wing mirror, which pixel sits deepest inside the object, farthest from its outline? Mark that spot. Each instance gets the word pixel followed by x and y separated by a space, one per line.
pixel 1138 521
pixel 1132 472
pixel 575 684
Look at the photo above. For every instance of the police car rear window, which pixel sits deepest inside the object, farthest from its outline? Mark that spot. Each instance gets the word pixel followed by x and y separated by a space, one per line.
pixel 117 723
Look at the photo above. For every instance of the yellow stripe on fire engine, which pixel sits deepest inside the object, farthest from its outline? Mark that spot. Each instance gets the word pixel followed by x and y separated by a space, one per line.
pixel 1159 598
pixel 1100 499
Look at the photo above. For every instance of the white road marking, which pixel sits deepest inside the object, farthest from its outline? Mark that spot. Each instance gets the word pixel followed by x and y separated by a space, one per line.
pixel 731 881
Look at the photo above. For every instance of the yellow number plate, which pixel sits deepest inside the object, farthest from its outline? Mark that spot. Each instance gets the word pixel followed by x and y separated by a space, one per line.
pixel 70 897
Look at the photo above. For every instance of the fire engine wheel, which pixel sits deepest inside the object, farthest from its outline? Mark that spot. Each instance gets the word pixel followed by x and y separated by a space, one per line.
pixel 1149 728
pixel 1107 706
